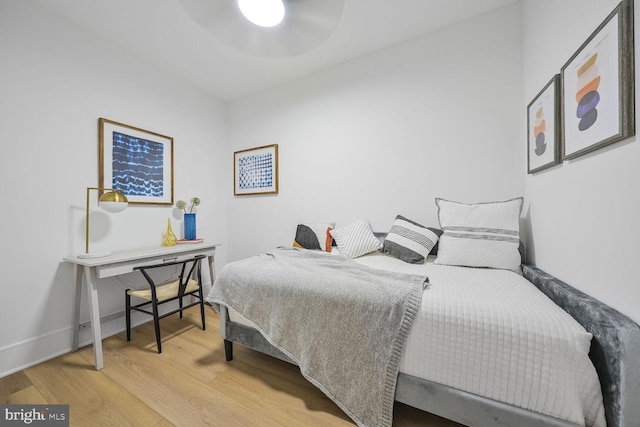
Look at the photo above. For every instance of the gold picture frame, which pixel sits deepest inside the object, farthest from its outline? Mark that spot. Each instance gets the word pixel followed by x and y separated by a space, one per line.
pixel 255 171
pixel 137 162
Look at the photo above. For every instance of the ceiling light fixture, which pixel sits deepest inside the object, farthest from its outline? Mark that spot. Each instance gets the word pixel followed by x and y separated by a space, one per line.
pixel 306 24
pixel 264 13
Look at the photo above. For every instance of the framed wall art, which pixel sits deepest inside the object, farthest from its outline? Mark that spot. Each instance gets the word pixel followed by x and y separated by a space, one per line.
pixel 256 170
pixel 137 162
pixel 544 128
pixel 598 87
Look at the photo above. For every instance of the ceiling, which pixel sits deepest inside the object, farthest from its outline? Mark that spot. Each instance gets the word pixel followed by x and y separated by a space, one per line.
pixel 163 33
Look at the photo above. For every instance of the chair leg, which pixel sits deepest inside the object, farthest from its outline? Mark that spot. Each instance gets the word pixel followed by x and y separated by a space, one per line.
pixel 127 299
pixel 202 310
pixel 156 325
pixel 180 303
pixel 204 328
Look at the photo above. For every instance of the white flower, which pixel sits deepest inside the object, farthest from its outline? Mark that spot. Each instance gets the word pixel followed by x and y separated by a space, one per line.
pixel 181 204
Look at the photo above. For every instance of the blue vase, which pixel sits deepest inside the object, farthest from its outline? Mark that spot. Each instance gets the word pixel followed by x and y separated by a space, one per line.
pixel 189 226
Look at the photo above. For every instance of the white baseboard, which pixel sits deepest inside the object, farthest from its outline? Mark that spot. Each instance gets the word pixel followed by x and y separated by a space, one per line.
pixel 30 352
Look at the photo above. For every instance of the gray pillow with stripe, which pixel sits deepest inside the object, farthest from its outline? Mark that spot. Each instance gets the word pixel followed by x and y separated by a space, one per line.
pixel 480 234
pixel 410 241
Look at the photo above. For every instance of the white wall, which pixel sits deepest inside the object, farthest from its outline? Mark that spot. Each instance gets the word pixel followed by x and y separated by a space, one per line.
pixel 583 215
pixel 438 115
pixel 55 82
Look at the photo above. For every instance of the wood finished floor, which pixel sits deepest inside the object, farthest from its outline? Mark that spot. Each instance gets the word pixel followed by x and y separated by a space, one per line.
pixel 189 384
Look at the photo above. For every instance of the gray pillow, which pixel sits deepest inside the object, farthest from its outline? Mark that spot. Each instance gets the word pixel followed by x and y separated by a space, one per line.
pixel 409 241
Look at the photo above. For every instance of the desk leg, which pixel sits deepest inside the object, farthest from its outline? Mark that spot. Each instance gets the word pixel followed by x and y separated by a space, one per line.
pixel 94 312
pixel 212 269
pixel 75 325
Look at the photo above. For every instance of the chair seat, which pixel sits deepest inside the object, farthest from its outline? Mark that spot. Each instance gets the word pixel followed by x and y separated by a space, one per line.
pixel 164 291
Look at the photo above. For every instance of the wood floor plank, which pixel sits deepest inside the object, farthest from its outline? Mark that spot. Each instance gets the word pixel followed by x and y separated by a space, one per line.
pixel 93 398
pixel 189 384
pixel 13 383
pixel 184 352
pixel 181 399
pixel 288 402
pixel 30 395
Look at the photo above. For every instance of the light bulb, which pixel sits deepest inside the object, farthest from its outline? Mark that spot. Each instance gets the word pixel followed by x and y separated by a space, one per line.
pixel 264 13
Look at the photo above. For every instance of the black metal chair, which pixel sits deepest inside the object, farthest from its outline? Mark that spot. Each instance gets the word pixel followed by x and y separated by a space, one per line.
pixel 187 284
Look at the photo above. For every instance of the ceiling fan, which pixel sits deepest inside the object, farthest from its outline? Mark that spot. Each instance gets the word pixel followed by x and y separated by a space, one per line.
pixel 306 25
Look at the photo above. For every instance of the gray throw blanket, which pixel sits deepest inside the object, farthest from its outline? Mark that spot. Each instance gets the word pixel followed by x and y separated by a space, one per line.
pixel 344 324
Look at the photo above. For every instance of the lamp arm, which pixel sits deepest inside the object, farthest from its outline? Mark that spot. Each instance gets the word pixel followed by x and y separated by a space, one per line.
pixel 86 223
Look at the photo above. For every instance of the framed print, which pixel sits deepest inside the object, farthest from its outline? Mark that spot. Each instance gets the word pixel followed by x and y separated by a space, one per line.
pixel 544 128
pixel 137 162
pixel 256 170
pixel 598 87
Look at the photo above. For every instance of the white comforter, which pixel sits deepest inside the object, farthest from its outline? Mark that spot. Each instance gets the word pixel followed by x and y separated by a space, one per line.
pixel 492 333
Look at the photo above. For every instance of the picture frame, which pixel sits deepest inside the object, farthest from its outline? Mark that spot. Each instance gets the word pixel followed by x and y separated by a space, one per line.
pixel 598 87
pixel 255 170
pixel 136 161
pixel 544 128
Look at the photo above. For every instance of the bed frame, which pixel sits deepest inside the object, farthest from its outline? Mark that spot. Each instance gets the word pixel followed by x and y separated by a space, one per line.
pixel 615 352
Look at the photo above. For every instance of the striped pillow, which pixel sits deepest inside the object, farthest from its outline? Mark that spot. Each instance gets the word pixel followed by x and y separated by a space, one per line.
pixel 410 241
pixel 356 239
pixel 480 235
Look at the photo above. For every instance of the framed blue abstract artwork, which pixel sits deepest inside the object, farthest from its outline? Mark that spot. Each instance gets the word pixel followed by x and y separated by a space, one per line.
pixel 598 86
pixel 256 170
pixel 137 162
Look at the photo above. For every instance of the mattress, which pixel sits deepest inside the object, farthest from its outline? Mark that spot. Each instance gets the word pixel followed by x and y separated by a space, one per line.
pixel 492 333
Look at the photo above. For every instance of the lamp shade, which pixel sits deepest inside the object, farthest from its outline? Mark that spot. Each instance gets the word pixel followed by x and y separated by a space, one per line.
pixel 113 201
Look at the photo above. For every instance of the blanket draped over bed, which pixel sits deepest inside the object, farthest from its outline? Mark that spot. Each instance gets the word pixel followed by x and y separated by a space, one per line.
pixel 344 324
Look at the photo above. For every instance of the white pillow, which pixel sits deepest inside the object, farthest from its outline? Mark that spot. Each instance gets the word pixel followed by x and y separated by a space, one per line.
pixel 481 234
pixel 356 239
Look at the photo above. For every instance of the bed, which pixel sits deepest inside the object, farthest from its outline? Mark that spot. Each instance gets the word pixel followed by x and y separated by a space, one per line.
pixel 456 385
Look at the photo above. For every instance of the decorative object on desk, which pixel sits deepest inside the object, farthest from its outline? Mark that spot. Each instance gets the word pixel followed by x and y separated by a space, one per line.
pixel 544 127
pixel 196 240
pixel 598 86
pixel 189 217
pixel 137 161
pixel 189 226
pixel 169 238
pixel 113 201
pixel 255 171
pixel 181 204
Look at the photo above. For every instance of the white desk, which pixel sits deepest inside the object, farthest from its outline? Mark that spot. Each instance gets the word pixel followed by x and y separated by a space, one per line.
pixel 121 263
